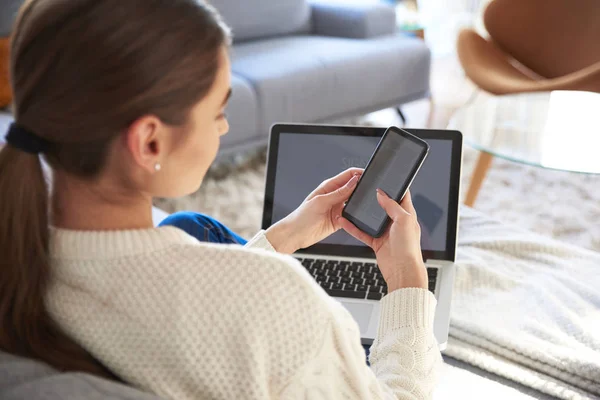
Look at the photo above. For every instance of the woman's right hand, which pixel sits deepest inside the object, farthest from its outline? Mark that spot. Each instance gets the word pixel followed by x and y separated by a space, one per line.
pixel 398 250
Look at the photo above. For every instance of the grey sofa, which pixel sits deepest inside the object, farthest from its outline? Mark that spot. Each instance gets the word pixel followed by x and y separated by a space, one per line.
pixel 313 61
pixel 316 61
pixel 25 379
pixel 8 9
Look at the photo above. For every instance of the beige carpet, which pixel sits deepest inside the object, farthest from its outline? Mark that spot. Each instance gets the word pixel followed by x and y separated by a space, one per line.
pixel 563 205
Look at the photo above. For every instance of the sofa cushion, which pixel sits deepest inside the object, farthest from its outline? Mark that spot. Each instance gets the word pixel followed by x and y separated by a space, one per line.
pixel 250 19
pixel 359 20
pixel 26 379
pixel 5 120
pixel 313 79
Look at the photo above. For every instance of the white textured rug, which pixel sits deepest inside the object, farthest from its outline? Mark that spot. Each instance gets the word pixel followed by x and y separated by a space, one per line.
pixel 527 308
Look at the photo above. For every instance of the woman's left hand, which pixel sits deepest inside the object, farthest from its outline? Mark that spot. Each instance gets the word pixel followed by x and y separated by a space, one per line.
pixel 316 218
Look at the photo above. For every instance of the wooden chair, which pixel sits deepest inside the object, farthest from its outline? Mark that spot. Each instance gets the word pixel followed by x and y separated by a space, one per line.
pixel 535 45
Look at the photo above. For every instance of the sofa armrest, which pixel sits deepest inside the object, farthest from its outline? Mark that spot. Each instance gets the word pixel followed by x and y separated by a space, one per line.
pixel 358 19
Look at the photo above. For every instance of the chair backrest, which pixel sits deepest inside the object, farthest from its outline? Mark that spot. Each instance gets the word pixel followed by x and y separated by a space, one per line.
pixel 252 19
pixel 551 37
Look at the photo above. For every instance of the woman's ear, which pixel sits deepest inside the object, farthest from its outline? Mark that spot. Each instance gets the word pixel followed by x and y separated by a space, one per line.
pixel 145 141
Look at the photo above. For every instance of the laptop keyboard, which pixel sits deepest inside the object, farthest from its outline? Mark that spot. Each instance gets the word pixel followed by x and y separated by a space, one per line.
pixel 354 280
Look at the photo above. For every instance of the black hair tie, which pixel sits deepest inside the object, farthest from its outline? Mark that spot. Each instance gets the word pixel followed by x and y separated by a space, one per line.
pixel 25 140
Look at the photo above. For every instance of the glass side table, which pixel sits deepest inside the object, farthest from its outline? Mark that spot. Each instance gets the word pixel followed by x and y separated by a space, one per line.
pixel 555 130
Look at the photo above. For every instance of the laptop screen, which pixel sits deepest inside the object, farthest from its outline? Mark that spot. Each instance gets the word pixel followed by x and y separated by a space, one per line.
pixel 299 161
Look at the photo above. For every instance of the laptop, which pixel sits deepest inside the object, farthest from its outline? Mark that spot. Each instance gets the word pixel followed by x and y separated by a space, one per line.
pixel 300 157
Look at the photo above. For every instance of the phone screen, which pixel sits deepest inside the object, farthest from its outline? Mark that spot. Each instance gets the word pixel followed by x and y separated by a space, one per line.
pixel 391 169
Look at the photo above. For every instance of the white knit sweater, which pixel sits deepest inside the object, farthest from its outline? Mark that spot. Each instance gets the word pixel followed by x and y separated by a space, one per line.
pixel 189 320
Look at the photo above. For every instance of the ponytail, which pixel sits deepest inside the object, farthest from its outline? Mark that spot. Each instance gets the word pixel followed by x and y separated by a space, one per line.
pixel 26 328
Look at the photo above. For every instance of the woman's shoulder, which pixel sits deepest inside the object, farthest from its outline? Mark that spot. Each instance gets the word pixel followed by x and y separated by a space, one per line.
pixel 263 285
pixel 251 269
pixel 181 266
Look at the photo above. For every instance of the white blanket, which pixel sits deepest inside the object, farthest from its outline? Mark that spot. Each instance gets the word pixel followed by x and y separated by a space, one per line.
pixel 527 308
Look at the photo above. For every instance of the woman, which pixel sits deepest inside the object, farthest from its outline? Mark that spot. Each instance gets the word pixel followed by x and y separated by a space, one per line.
pixel 124 100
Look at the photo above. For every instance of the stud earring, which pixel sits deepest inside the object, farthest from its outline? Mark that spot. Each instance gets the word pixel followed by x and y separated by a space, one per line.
pixel 157 167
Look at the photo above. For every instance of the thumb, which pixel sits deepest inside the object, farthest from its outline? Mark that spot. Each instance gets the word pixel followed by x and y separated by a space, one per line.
pixel 391 207
pixel 342 194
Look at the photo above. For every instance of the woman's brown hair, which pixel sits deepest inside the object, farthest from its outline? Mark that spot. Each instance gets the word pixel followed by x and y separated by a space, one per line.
pixel 82 72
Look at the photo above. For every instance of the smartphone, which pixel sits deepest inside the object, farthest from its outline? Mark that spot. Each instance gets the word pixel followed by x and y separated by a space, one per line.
pixel 392 168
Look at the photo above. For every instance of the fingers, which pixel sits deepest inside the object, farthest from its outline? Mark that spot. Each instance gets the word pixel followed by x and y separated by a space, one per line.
pixel 392 208
pixel 335 183
pixel 340 180
pixel 407 204
pixel 343 193
pixel 354 231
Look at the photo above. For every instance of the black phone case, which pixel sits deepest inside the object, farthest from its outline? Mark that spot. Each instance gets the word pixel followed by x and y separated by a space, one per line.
pixel 384 226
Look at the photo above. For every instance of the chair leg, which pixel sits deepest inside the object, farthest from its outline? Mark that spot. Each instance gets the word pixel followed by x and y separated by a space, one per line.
pixel 481 168
pixel 401 115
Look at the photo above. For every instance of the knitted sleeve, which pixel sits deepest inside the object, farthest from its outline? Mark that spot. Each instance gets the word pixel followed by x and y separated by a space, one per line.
pixel 405 360
pixel 260 241
pixel 405 356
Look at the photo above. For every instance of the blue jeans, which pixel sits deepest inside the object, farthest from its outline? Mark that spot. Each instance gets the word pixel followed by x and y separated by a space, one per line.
pixel 203 228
